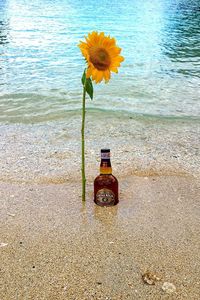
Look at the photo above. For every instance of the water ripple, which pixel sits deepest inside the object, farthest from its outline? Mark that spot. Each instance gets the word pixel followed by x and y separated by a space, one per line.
pixel 41 66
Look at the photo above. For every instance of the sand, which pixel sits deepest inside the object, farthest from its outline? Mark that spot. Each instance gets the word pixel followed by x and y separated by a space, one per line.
pixel 53 247
pixel 58 248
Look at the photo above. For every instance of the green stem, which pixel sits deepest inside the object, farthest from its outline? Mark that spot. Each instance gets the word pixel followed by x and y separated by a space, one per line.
pixel 83 143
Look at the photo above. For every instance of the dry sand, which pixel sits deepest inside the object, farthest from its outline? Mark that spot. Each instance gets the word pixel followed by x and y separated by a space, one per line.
pixel 58 248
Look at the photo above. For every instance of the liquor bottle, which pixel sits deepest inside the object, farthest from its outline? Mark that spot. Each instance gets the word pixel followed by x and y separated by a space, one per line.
pixel 105 185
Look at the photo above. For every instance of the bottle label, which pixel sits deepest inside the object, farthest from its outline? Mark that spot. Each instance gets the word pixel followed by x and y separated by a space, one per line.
pixel 105 155
pixel 105 196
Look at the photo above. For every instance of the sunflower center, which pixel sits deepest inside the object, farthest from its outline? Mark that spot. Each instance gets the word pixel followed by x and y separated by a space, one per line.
pixel 100 58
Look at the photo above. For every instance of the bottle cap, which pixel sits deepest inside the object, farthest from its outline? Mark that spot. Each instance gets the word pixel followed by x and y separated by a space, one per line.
pixel 105 150
pixel 105 153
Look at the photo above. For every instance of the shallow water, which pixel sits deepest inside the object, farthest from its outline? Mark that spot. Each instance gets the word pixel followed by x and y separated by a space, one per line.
pixel 41 65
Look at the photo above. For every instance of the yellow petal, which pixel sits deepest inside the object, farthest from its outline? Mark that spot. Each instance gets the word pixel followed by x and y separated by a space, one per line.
pixel 114 69
pixel 114 51
pixel 115 64
pixel 99 76
pixel 101 38
pixel 88 72
pixel 120 58
pixel 94 74
pixel 107 75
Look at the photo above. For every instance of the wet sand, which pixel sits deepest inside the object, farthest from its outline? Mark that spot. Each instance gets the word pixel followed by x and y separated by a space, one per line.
pixel 58 248
pixel 144 146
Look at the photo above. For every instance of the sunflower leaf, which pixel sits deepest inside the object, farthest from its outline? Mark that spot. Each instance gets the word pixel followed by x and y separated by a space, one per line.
pixel 89 88
pixel 88 84
pixel 83 78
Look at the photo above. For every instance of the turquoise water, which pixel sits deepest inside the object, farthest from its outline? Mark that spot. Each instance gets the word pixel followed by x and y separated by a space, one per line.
pixel 41 65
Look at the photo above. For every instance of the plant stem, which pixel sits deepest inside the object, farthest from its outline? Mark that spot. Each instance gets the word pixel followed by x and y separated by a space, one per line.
pixel 83 143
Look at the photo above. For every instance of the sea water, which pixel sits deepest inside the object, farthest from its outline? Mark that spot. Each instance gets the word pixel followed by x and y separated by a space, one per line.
pixel 41 65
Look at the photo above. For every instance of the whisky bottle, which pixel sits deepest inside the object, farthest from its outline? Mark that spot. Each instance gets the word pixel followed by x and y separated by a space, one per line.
pixel 105 185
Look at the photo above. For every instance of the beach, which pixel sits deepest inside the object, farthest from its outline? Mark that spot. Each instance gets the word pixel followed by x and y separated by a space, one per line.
pixel 55 247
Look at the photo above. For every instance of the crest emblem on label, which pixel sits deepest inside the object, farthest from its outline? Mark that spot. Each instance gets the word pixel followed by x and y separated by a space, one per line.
pixel 105 196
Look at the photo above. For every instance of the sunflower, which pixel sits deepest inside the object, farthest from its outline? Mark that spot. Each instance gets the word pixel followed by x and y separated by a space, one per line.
pixel 102 56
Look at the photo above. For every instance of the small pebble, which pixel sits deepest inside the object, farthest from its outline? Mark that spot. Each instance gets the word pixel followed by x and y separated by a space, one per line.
pixel 11 215
pixel 150 278
pixel 3 245
pixel 168 287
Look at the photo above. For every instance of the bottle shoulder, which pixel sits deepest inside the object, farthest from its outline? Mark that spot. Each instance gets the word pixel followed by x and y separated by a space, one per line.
pixel 105 177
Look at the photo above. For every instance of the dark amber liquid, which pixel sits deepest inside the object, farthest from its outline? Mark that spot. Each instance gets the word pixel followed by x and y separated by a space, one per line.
pixel 106 185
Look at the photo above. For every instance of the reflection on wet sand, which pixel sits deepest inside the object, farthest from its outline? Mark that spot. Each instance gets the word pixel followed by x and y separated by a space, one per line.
pixel 107 216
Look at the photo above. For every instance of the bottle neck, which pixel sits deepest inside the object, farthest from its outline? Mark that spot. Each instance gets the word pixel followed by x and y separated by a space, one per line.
pixel 105 166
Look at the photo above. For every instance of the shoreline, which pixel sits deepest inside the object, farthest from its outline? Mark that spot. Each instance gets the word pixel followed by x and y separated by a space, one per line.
pixel 48 152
